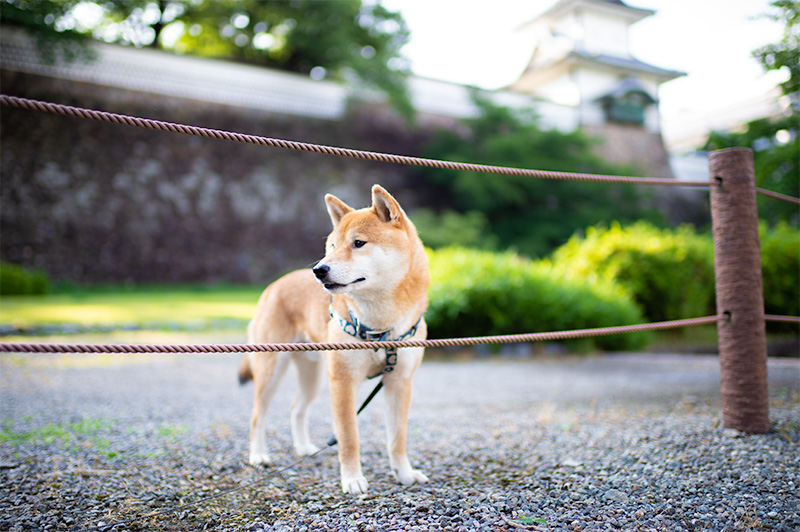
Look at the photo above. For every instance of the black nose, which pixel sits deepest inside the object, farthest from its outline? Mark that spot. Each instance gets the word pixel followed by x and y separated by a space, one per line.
pixel 321 271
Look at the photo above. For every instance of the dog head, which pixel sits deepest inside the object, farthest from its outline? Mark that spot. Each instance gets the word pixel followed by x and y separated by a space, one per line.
pixel 368 249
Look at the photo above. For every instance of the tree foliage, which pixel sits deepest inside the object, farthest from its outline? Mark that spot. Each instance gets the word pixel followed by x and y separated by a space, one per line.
pixel 531 215
pixel 46 19
pixel 786 52
pixel 345 39
pixel 775 141
pixel 776 155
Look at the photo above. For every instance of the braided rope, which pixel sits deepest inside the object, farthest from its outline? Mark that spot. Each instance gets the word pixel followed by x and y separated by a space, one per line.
pixel 778 195
pixel 342 346
pixel 784 319
pixel 78 112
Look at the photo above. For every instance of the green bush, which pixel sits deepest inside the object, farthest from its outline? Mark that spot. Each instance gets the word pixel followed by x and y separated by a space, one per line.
pixel 476 293
pixel 451 228
pixel 669 273
pixel 16 280
pixel 780 265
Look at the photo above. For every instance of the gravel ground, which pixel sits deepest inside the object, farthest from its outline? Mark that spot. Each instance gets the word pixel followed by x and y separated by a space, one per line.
pixel 615 442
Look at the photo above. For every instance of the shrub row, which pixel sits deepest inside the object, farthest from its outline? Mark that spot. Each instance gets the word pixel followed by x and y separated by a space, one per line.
pixel 669 273
pixel 780 265
pixel 611 276
pixel 16 280
pixel 478 293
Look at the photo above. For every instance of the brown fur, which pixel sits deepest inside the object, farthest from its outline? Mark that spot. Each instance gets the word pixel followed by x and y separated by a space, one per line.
pixel 376 268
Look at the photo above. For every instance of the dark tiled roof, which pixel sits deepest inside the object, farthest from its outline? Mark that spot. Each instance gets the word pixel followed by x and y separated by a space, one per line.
pixel 626 87
pixel 629 63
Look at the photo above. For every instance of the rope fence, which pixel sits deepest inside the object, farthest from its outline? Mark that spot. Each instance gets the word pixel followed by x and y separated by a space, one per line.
pixel 160 125
pixel 78 112
pixel 778 196
pixel 739 285
pixel 345 346
pixel 271 348
pixel 783 319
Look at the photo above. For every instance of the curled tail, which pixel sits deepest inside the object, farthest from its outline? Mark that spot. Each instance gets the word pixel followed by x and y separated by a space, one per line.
pixel 245 371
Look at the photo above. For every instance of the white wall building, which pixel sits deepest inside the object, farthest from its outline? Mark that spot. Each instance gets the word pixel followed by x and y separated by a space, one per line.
pixel 582 60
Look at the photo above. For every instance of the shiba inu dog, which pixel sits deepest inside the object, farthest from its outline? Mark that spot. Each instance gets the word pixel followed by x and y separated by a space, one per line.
pixel 371 285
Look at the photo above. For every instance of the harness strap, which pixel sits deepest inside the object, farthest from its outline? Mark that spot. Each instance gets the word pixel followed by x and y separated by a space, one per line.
pixel 355 328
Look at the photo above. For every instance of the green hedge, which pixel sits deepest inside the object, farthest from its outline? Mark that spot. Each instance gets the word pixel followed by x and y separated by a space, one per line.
pixel 669 273
pixel 16 280
pixel 780 265
pixel 476 293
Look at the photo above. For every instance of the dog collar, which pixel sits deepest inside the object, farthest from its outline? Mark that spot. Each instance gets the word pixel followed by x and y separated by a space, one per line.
pixel 355 328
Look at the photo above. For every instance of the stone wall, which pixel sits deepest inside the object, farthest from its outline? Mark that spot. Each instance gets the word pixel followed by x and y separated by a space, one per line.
pixel 95 202
pixel 632 145
pixel 645 152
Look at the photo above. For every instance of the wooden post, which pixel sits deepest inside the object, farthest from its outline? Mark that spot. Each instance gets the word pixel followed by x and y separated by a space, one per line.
pixel 739 287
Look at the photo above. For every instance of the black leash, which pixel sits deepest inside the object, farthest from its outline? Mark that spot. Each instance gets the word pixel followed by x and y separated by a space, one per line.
pixel 331 442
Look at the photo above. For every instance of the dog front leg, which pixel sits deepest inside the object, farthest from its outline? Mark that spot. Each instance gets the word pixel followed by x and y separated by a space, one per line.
pixel 343 404
pixel 398 402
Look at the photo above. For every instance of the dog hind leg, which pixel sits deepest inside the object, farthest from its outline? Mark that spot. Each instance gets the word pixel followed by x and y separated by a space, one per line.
pixel 267 369
pixel 310 375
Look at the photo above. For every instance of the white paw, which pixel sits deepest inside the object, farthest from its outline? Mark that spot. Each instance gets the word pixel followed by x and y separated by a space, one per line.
pixel 355 484
pixel 260 459
pixel 410 476
pixel 306 450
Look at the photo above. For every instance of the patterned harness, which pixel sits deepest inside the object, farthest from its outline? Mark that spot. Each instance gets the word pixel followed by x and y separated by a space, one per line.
pixel 355 328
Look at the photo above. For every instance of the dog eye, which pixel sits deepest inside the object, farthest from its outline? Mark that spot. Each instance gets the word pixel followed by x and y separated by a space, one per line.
pixel 359 243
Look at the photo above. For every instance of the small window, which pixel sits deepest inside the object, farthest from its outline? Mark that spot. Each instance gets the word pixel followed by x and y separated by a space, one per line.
pixel 627 108
pixel 626 112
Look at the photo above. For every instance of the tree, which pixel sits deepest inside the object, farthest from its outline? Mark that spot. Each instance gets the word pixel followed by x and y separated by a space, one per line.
pixel 776 160
pixel 786 53
pixel 56 40
pixel 338 40
pixel 532 215
pixel 775 141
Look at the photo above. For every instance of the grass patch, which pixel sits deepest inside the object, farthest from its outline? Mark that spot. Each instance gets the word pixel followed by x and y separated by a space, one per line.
pixel 141 306
pixel 50 433
pixel 171 432
pixel 90 433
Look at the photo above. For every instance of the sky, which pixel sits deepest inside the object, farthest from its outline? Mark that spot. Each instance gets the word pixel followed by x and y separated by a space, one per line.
pixel 711 40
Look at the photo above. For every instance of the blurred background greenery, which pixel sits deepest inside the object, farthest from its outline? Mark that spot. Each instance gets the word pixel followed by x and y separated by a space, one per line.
pixel 508 254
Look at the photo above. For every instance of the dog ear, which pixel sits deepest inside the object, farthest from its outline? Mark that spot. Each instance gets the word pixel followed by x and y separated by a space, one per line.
pixel 385 206
pixel 336 208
